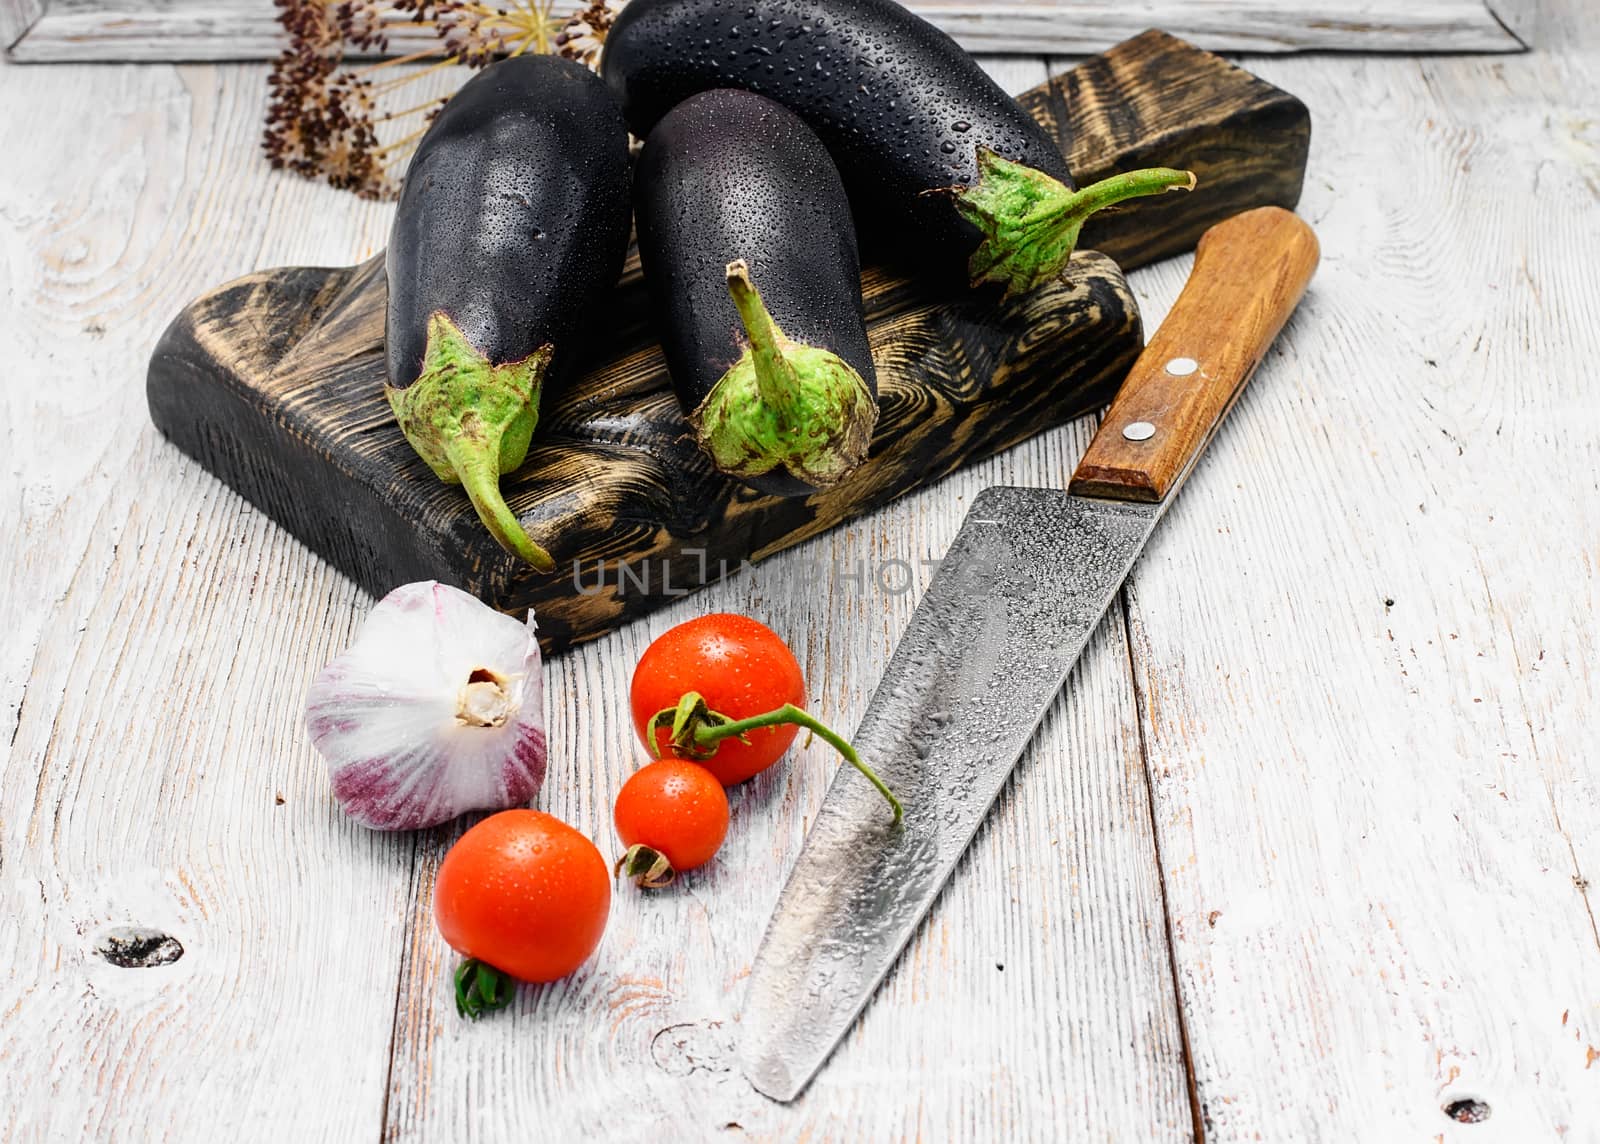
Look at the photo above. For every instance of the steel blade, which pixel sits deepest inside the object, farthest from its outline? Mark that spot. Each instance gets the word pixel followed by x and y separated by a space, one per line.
pixel 989 646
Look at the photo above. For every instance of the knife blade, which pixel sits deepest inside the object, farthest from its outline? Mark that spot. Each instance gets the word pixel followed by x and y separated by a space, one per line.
pixel 1024 585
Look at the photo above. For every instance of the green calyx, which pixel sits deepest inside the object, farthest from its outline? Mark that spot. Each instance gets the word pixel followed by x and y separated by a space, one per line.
pixel 480 989
pixel 784 404
pixel 1030 222
pixel 471 421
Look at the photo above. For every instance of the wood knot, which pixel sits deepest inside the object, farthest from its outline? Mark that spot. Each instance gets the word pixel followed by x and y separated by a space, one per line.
pixel 138 947
pixel 1467 1110
pixel 694 1046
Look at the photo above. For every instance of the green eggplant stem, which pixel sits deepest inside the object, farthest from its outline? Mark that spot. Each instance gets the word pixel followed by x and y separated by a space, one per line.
pixel 1129 185
pixel 784 404
pixel 776 378
pixel 477 466
pixel 1030 222
pixel 696 730
pixel 471 420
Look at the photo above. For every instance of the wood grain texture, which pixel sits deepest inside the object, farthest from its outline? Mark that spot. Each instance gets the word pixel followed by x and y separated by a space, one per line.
pixel 1249 273
pixel 136 577
pixel 1522 18
pixel 1155 101
pixel 1364 640
pixel 1380 890
pixel 16 17
pixel 1035 1002
pixel 275 384
pixel 155 775
pixel 247 30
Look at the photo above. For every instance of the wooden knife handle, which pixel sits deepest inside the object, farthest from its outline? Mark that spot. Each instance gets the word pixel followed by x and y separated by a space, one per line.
pixel 1249 273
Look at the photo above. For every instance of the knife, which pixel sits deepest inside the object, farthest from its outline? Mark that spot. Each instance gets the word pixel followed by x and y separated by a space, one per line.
pixel 989 646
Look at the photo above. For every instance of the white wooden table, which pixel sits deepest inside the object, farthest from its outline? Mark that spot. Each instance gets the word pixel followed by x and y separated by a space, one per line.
pixel 1303 852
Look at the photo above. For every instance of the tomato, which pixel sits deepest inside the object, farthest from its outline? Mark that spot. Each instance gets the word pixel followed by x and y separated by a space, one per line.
pixel 742 669
pixel 675 809
pixel 525 893
pixel 733 699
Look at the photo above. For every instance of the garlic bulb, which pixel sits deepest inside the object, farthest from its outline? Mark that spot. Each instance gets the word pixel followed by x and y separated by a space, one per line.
pixel 435 710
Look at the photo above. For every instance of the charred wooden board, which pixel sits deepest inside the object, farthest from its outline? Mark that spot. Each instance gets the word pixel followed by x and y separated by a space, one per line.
pixel 274 382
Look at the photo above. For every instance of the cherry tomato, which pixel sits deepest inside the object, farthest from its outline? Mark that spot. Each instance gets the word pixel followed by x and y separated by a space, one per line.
pixel 525 893
pixel 741 667
pixel 676 809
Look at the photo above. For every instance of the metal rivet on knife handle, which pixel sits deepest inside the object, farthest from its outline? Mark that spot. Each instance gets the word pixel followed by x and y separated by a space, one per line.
pixel 1139 431
pixel 1249 273
pixel 1182 366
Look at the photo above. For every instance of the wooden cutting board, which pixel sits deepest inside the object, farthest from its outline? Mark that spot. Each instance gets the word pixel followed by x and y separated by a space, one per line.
pixel 275 382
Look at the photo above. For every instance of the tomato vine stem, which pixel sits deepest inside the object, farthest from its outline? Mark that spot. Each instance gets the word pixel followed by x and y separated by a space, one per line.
pixel 695 731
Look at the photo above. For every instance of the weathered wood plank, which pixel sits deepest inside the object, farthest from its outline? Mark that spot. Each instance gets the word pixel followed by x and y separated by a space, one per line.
pixel 1364 636
pixel 156 773
pixel 248 30
pixel 16 17
pixel 1047 953
pixel 1523 18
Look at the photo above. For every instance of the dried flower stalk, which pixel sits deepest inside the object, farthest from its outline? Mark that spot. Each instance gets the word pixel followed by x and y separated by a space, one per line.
pixel 353 126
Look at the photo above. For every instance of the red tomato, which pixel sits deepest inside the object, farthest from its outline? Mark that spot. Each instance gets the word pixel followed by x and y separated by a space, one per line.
pixel 677 809
pixel 741 667
pixel 525 893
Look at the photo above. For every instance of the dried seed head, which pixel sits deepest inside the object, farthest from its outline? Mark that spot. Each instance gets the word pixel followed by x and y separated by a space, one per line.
pixel 351 127
pixel 584 35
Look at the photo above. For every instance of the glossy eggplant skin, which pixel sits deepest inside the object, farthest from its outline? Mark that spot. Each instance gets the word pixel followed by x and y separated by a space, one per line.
pixel 729 175
pixel 900 106
pixel 514 217
pixel 510 233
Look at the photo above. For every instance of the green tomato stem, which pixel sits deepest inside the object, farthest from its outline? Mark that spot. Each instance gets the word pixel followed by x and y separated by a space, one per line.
pixel 696 730
pixel 645 867
pixel 480 989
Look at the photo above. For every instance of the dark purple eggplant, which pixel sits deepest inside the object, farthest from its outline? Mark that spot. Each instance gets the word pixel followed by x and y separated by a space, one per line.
pixel 749 251
pixel 935 155
pixel 511 229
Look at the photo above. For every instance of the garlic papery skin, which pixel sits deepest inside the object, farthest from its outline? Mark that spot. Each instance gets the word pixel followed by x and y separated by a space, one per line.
pixel 435 710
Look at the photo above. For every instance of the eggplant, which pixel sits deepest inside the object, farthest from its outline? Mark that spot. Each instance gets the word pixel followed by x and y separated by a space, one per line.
pixel 935 155
pixel 511 229
pixel 749 253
